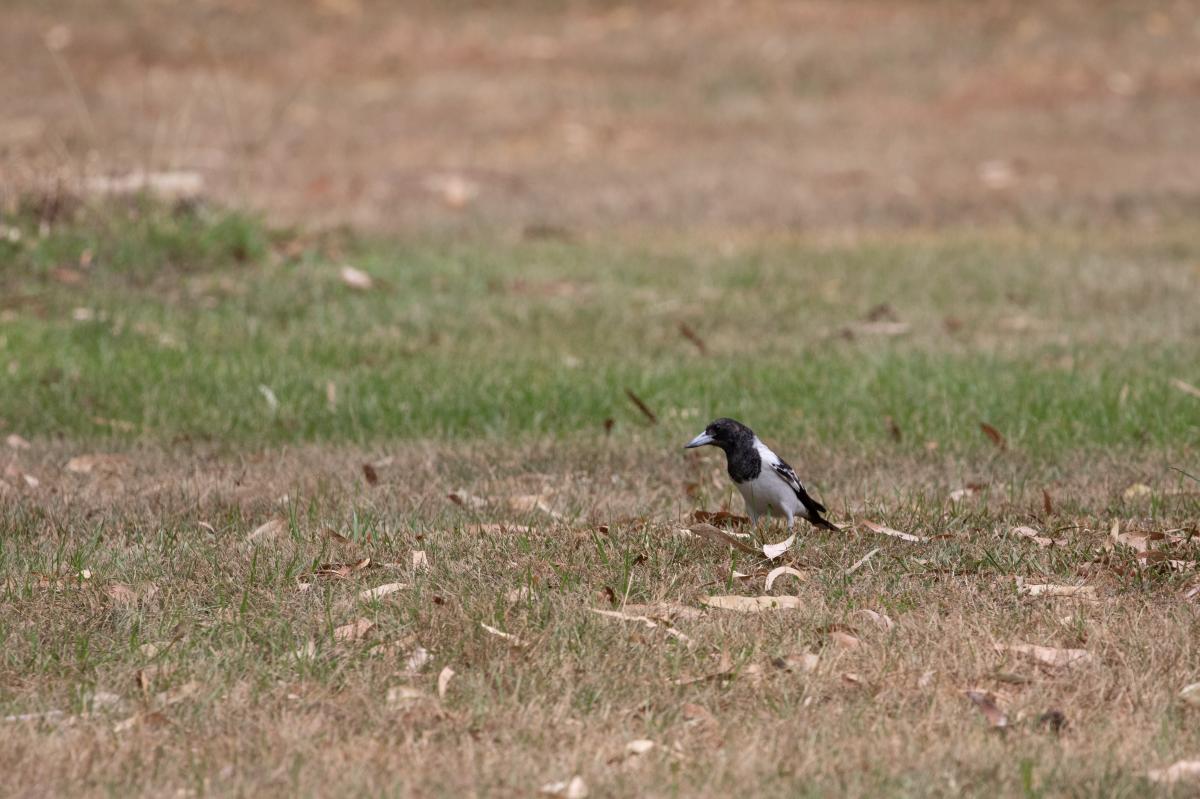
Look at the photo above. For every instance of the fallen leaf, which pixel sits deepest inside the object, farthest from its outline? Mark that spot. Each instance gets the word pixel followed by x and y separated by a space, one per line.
pixel 1180 770
pixel 306 652
pixel 268 529
pixel 986 703
pixel 1137 490
pixel 185 691
pixel 420 561
pixel 418 660
pixel 711 533
pixel 926 679
pixel 803 663
pixel 342 570
pixel 514 640
pixel 121 594
pixel 879 528
pixel 334 535
pixel 959 494
pixel 772 551
pixel 86 464
pixel 519 594
pixel 492 528
pixel 353 631
pixel 686 331
pixel 380 591
pixel 852 679
pixel 356 278
pixel 574 788
pixel 269 395
pixel 641 406
pixel 881 620
pixel 780 571
pixel 401 695
pixel 751 604
pixel 1191 694
pixel 1051 590
pixel 643 620
pixel 466 500
pixel 721 518
pixel 1185 387
pixel 527 503
pixel 1040 540
pixel 994 435
pixel 370 475
pixel 1047 503
pixel 858 564
pixel 638 747
pixel 844 640
pixel 15 441
pixel 1048 655
pixel 443 683
pixel 31 481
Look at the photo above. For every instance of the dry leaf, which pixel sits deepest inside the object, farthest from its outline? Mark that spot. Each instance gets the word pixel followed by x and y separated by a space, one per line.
pixel 121 594
pixel 802 663
pixel 858 564
pixel 720 518
pixel 994 435
pixel 641 406
pixel 401 695
pixel 879 528
pixel 353 631
pixel 1191 694
pixel 418 660
pixel 420 561
pixel 15 441
pixel 638 747
pixel 780 571
pixel 86 464
pixel 751 604
pixel 356 278
pixel 306 652
pixel 370 475
pixel 185 691
pixel 881 620
pixel 1186 388
pixel 647 622
pixel 443 683
pixel 1137 490
pixel 1040 540
pixel 772 551
pixel 1048 655
pixel 926 679
pixel 514 640
pixel 466 500
pixel 852 679
pixel 711 533
pixel 493 528
pixel 844 640
pixel 334 535
pixel 574 788
pixel 1051 590
pixel 268 529
pixel 1180 770
pixel 528 503
pixel 987 706
pixel 381 591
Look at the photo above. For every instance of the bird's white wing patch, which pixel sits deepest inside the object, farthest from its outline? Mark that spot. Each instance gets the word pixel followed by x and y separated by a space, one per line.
pixel 777 465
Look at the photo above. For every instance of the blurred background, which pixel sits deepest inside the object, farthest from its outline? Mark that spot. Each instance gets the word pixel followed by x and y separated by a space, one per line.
pixel 538 117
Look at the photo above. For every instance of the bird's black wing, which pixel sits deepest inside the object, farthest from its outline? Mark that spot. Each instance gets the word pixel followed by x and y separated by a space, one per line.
pixel 789 476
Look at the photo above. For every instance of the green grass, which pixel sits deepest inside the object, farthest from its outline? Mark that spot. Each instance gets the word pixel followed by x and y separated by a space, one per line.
pixel 187 316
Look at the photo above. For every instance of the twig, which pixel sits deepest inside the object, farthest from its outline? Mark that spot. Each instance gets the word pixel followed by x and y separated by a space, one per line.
pixel 860 562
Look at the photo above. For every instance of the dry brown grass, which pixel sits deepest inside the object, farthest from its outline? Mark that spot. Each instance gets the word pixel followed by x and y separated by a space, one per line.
pixel 233 709
pixel 588 115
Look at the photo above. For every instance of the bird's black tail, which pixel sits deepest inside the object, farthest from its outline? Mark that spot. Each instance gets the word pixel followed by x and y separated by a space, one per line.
pixel 817 520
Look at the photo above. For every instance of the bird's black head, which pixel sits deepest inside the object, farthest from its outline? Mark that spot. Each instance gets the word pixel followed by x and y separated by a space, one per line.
pixel 724 433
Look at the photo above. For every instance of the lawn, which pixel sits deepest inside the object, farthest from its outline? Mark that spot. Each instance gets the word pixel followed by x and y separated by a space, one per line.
pixel 221 444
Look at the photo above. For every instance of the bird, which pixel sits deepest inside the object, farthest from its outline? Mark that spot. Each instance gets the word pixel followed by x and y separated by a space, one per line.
pixel 766 481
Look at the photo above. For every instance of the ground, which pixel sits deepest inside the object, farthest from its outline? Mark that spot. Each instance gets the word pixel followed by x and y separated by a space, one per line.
pixel 330 476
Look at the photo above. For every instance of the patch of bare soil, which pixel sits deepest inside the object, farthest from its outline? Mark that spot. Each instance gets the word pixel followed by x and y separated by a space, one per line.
pixel 549 117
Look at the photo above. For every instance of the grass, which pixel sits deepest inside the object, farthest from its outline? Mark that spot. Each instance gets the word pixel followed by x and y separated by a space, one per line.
pixel 179 651
pixel 1056 344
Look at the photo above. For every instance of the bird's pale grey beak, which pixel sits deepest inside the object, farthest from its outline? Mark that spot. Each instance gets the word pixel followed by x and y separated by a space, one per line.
pixel 699 441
